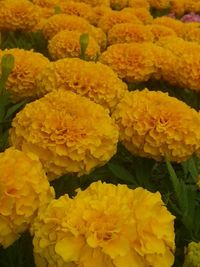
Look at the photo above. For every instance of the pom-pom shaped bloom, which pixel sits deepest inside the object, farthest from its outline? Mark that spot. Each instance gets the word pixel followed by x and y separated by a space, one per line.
pixel 160 31
pixel 118 4
pixel 18 15
pixel 192 258
pixel 155 125
pixel 62 130
pixel 174 24
pixel 128 33
pixel 192 34
pixel 99 11
pixel 139 4
pixel 24 189
pixel 27 65
pixel 93 80
pixel 61 22
pixel 133 62
pixel 78 9
pixel 122 227
pixel 159 4
pixel 47 3
pixel 114 17
pixel 142 14
pixel 95 2
pixel 67 44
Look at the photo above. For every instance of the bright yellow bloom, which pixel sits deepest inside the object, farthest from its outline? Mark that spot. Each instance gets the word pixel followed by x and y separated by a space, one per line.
pixel 118 4
pixel 142 14
pixel 27 65
pixel 95 2
pixel 47 3
pixel 139 4
pixel 128 33
pixel 175 25
pixel 192 258
pixel 67 44
pixel 18 15
pixel 133 62
pixel 62 130
pixel 99 11
pixel 114 17
pixel 160 31
pixel 24 189
pixel 181 7
pixel 123 227
pixel 93 80
pixel 99 36
pixel 159 4
pixel 155 125
pixel 187 64
pixel 192 33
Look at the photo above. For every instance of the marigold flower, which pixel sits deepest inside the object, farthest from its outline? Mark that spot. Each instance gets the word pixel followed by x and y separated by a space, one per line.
pixel 175 25
pixel 99 36
pixel 142 14
pixel 192 34
pixel 62 130
pixel 133 62
pixel 192 258
pixel 99 11
pixel 128 33
pixel 118 4
pixel 155 125
pixel 160 31
pixel 20 195
pixel 27 65
pixel 114 17
pixel 139 4
pixel 67 44
pixel 93 80
pixel 95 2
pixel 18 15
pixel 123 227
pixel 159 4
pixel 47 3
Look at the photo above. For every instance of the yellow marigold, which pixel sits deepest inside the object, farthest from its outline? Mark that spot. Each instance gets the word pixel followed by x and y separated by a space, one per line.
pixel 192 258
pixel 47 3
pixel 139 3
pixel 133 62
pixel 18 15
pixel 60 22
pixel 99 36
pixel 24 189
pixel 95 2
pixel 118 4
pixel 123 227
pixel 67 44
pixel 192 34
pixel 93 80
pixel 187 63
pixel 142 14
pixel 27 65
pixel 99 11
pixel 174 24
pixel 160 31
pixel 178 7
pixel 128 33
pixel 155 125
pixel 159 4
pixel 114 17
pixel 78 9
pixel 62 130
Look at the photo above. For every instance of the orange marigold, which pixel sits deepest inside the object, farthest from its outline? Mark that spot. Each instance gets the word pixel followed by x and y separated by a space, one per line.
pixel 133 62
pixel 18 15
pixel 24 189
pixel 159 4
pixel 62 130
pixel 106 226
pixel 114 17
pixel 27 65
pixel 95 2
pixel 142 14
pixel 47 3
pixel 128 33
pixel 139 3
pixel 118 4
pixel 99 11
pixel 155 125
pixel 93 80
pixel 160 31
pixel 67 44
pixel 174 24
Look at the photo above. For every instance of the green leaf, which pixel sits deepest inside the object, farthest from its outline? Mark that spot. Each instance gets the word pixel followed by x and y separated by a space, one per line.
pixel 84 41
pixel 7 64
pixel 57 10
pixel 13 109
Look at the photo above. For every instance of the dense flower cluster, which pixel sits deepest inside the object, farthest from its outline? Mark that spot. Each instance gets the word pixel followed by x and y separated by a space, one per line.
pixel 174 24
pixel 27 65
pixel 62 130
pixel 159 4
pixel 129 32
pixel 95 2
pixel 18 15
pixel 24 189
pixel 160 31
pixel 133 62
pixel 192 258
pixel 93 80
pixel 121 228
pixel 139 4
pixel 67 44
pixel 142 14
pixel 47 3
pixel 180 7
pixel 114 17
pixel 155 125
